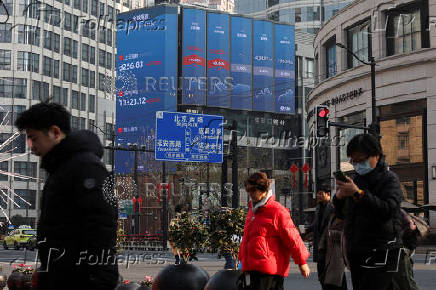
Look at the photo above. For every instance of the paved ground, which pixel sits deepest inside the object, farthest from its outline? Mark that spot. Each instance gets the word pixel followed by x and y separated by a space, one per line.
pixel 150 263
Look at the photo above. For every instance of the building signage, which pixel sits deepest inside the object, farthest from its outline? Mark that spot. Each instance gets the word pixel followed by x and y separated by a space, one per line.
pixel 344 97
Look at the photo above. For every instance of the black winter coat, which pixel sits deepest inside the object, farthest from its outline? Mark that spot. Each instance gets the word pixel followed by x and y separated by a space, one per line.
pixel 374 221
pixel 78 221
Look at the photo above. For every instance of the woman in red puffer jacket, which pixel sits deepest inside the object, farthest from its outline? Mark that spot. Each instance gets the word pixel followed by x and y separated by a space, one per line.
pixel 270 239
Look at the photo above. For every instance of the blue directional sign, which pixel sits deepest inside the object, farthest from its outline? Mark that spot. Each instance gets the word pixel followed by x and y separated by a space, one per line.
pixel 189 137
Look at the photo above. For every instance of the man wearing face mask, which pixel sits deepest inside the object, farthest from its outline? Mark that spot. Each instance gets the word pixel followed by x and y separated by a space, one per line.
pixel 370 206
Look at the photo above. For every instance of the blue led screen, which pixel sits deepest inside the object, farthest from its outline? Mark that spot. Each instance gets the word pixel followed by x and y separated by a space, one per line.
pixel 284 80
pixel 194 57
pixel 263 65
pixel 146 80
pixel 241 63
pixel 218 63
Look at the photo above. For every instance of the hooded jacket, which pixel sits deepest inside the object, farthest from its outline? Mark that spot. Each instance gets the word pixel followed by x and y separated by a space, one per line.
pixel 373 221
pixel 78 218
pixel 270 239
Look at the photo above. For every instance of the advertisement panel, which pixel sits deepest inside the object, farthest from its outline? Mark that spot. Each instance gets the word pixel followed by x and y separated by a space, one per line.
pixel 194 57
pixel 284 69
pixel 241 67
pixel 263 75
pixel 146 80
pixel 218 66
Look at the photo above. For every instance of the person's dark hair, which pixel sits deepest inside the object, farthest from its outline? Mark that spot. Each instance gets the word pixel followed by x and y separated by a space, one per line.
pixel 325 188
pixel 44 115
pixel 258 180
pixel 364 143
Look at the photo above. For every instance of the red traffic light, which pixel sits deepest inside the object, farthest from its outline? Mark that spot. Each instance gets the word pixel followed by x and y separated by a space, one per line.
pixel 323 113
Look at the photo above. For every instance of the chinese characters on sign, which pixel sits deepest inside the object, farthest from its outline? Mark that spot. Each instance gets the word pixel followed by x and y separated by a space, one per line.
pixel 189 137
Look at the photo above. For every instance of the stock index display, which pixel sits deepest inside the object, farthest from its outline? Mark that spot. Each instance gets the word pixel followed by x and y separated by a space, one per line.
pixel 232 61
pixel 146 80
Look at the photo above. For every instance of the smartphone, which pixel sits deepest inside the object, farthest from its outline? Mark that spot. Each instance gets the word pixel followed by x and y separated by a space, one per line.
pixel 339 175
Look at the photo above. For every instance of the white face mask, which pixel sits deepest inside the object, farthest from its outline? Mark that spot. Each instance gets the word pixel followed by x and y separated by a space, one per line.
pixel 363 167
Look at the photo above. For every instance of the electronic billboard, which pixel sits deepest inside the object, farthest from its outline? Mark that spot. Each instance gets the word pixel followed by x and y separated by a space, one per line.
pixel 284 78
pixel 241 63
pixel 218 62
pixel 263 66
pixel 194 57
pixel 147 49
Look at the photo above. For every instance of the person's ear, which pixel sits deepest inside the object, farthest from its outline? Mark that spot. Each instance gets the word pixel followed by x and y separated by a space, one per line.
pixel 56 131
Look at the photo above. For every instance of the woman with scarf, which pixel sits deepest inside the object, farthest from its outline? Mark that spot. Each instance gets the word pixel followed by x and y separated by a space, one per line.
pixel 270 239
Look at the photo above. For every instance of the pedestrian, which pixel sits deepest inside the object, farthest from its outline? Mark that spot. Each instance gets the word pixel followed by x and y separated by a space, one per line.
pixel 370 206
pixel 178 258
pixel 77 227
pixel 324 216
pixel 404 278
pixel 270 239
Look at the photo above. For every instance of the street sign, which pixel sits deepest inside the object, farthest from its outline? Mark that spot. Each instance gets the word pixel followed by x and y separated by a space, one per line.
pixel 189 137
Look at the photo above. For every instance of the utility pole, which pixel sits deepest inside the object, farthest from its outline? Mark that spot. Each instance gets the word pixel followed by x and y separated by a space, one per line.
pixel 135 179
pixel 224 181
pixel 234 149
pixel 374 128
pixel 164 208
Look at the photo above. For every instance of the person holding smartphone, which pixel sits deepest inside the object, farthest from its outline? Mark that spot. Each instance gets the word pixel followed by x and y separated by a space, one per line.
pixel 370 206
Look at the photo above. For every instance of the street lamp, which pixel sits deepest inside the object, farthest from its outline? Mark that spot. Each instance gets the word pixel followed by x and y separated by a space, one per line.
pixel 374 128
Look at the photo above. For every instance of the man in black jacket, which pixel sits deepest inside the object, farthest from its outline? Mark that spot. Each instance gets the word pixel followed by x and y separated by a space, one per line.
pixel 370 205
pixel 77 227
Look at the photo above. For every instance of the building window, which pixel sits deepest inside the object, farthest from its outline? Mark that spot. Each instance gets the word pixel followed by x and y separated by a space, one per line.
pixel 94 8
pixel 66 72
pixel 56 42
pixel 92 79
pixel 65 96
pixel 403 142
pixel 56 68
pixel 85 77
pixel 110 12
pixel 109 129
pixel 85 5
pixel 48 39
pixel 75 48
pixel 5 59
pixel 91 125
pixel 56 94
pixel 109 37
pixel 27 61
pixel 26 194
pixel 67 46
pixel 20 88
pixel 91 103
pixel 76 4
pixel 101 57
pixel 30 11
pixel 308 67
pixel 75 124
pixel 18 145
pixel 75 23
pixel 75 100
pixel 358 38
pixel 330 48
pixel 101 82
pixel 109 60
pixel 85 52
pixel 5 32
pixel 74 74
pixel 25 168
pixel 82 123
pixel 4 166
pixel 83 102
pixel 9 6
pixel 406 31
pixel 102 35
pixel 101 9
pixel 47 66
pixel 29 34
pixel 40 91
pixel 67 21
pixel 92 55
